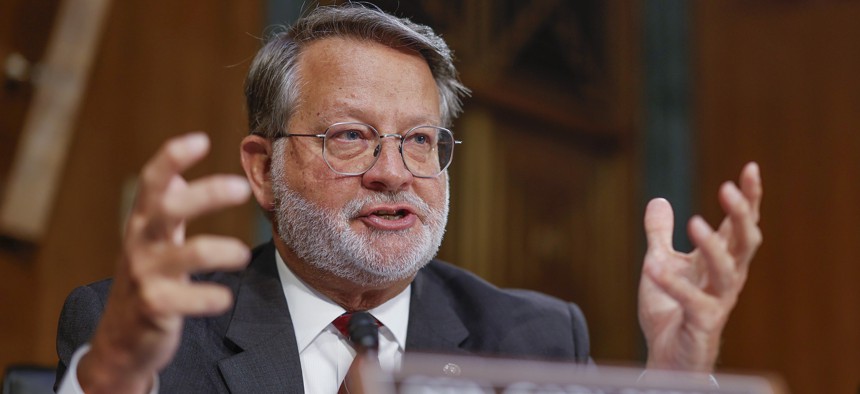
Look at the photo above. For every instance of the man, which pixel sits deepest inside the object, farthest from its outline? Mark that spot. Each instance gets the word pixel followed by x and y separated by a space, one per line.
pixel 347 152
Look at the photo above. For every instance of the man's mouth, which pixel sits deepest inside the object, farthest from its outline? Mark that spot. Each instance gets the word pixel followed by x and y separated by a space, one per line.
pixel 393 217
pixel 391 214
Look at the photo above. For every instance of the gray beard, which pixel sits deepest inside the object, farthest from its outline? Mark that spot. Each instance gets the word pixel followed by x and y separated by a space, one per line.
pixel 324 239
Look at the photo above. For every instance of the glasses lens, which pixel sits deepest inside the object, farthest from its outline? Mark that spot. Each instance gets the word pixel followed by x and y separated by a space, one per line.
pixel 427 150
pixel 349 147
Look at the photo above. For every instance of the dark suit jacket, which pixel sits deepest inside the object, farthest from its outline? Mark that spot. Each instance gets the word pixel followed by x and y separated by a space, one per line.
pixel 253 348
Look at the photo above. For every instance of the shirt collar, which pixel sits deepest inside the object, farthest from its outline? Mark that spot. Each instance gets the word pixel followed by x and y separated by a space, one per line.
pixel 312 312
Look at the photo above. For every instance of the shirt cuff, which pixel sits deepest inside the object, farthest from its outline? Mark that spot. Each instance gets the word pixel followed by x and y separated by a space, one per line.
pixel 70 384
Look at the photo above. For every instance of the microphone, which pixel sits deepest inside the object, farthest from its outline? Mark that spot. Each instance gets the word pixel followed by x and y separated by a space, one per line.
pixel 364 332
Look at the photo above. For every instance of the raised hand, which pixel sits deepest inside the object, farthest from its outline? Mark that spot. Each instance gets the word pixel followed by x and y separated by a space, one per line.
pixel 152 291
pixel 685 298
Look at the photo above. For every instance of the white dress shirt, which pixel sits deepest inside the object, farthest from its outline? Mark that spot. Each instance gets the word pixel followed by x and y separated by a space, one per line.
pixel 324 352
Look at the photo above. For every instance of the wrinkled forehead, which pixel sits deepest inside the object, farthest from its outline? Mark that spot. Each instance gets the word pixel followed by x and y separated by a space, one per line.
pixel 356 79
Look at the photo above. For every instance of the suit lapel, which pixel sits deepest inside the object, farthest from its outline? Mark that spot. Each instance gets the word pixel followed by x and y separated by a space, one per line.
pixel 261 327
pixel 267 360
pixel 434 326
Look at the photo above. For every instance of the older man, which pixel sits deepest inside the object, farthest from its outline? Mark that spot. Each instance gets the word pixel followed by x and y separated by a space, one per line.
pixel 348 153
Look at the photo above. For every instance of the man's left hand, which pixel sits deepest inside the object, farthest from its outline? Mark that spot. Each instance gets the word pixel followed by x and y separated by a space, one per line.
pixel 685 298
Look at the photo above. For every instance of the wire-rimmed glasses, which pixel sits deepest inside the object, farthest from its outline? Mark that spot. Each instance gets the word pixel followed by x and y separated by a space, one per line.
pixel 352 148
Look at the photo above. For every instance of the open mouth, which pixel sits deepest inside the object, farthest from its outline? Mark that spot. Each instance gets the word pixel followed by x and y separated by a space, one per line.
pixel 390 214
pixel 393 217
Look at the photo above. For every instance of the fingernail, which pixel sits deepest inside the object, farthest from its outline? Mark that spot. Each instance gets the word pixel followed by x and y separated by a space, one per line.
pixel 238 185
pixel 197 142
pixel 241 251
pixel 754 168
pixel 699 225
pixel 732 193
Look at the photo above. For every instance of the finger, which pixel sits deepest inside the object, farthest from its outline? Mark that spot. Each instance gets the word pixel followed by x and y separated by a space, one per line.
pixel 175 156
pixel 203 253
pixel 678 287
pixel 750 183
pixel 751 187
pixel 659 224
pixel 206 195
pixel 744 236
pixel 171 298
pixel 717 260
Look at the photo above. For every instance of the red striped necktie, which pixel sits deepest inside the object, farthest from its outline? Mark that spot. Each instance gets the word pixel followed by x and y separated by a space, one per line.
pixel 351 382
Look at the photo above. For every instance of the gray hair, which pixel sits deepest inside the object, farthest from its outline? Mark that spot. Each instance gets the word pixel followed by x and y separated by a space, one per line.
pixel 273 84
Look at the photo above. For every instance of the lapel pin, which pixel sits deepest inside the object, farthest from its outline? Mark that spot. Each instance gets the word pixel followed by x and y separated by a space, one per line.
pixel 451 369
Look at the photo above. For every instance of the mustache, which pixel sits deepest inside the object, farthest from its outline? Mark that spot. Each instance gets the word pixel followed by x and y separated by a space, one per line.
pixel 355 206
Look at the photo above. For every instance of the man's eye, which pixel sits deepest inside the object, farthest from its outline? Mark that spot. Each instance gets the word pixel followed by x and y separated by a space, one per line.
pixel 419 139
pixel 349 135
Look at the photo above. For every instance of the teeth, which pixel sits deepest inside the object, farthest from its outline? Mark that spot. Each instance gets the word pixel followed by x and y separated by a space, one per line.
pixel 388 215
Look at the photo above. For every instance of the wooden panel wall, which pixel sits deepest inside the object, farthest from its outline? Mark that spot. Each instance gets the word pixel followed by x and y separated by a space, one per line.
pixel 24 29
pixel 778 82
pixel 544 188
pixel 549 213
pixel 162 69
pixel 17 276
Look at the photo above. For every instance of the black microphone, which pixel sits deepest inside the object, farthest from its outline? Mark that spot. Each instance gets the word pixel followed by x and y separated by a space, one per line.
pixel 364 332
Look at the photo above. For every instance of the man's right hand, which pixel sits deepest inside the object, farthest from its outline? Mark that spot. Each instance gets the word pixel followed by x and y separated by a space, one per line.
pixel 152 290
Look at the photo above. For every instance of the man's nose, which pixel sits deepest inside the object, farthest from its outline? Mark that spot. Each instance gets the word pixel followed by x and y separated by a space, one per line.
pixel 389 173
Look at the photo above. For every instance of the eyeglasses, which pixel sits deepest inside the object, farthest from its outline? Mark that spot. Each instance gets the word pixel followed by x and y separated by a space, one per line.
pixel 352 148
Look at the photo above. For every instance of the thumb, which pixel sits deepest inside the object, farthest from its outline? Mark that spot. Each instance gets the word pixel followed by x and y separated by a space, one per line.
pixel 659 223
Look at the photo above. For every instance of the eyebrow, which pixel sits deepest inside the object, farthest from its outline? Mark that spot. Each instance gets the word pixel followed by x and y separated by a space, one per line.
pixel 359 115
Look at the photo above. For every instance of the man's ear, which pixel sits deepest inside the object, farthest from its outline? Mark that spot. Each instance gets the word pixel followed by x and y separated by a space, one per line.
pixel 256 153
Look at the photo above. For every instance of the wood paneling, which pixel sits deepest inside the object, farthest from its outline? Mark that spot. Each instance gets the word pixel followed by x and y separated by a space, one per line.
pixel 24 29
pixel 544 191
pixel 163 69
pixel 778 82
pixel 60 80
pixel 544 211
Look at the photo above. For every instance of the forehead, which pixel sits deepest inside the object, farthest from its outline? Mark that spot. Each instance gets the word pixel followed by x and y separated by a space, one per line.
pixel 355 79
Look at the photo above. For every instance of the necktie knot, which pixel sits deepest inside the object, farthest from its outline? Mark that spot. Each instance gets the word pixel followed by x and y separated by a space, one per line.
pixel 364 337
pixel 342 322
